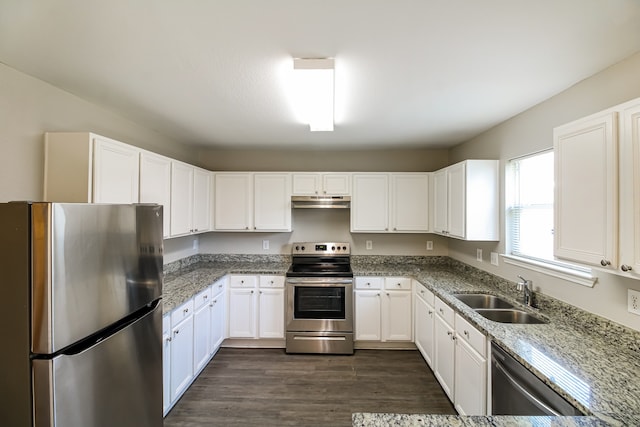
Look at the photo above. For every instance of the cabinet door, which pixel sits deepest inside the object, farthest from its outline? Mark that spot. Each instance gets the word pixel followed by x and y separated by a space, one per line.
pixel 456 200
pixel 470 380
pixel 181 198
pixel 440 201
pixel 410 202
pixel 155 185
pixel 233 201
pixel 201 337
pixel 370 203
pixel 272 199
pixel 218 321
pixel 271 307
pixel 181 357
pixel 586 191
pixel 423 327
pixel 166 367
pixel 367 316
pixel 242 313
pixel 444 356
pixel 306 184
pixel 397 316
pixel 336 184
pixel 116 172
pixel 630 192
pixel 201 218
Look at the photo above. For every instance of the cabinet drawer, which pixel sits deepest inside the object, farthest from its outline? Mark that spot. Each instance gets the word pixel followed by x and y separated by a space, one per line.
pixel 218 287
pixel 201 298
pixel 166 323
pixel 182 312
pixel 445 312
pixel 397 283
pixel 272 281
pixel 369 282
pixel 471 335
pixel 424 293
pixel 243 281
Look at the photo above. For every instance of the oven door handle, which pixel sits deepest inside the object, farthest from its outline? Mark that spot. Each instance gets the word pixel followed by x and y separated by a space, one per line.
pixel 319 281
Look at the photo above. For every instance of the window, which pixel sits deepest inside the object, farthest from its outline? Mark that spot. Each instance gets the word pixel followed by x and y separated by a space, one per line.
pixel 530 208
pixel 529 189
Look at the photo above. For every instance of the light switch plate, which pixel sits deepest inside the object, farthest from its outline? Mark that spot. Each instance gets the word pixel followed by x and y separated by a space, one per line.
pixel 369 244
pixel 429 245
pixel 494 258
pixel 265 244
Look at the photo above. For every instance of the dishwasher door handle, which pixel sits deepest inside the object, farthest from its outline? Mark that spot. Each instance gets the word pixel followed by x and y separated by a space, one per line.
pixel 523 390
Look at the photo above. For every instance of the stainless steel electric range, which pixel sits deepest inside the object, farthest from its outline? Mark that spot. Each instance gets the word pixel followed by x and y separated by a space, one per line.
pixel 319 287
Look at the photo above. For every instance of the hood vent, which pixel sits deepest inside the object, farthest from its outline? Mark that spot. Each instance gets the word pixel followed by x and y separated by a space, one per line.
pixel 321 202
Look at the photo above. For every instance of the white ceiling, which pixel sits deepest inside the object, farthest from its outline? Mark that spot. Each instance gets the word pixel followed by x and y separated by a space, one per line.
pixel 409 73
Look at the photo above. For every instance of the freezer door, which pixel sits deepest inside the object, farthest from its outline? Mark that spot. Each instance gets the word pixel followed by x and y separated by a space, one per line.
pixel 116 382
pixel 92 265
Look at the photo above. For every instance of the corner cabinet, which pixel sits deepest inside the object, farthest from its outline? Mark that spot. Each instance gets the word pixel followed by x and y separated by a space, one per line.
pixel 597 192
pixel 390 203
pixel 83 167
pixel 252 201
pixel 424 321
pixel 466 200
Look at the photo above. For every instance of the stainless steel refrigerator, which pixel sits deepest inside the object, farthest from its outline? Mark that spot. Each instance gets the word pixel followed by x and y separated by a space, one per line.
pixel 81 311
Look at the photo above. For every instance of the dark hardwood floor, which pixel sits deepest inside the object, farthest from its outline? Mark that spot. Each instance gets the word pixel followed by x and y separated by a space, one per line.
pixel 250 387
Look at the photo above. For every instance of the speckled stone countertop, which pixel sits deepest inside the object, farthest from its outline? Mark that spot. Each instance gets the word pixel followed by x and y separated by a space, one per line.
pixel 590 361
pixel 183 279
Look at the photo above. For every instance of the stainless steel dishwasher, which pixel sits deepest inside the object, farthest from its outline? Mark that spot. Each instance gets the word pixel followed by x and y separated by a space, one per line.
pixel 516 391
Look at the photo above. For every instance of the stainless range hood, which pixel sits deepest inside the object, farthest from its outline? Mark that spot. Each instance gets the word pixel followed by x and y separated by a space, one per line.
pixel 322 202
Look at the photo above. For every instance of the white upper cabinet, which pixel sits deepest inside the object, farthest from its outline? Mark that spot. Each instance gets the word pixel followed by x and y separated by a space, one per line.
pixel 395 202
pixel 597 191
pixel 370 203
pixel 321 184
pixel 252 201
pixel 466 200
pixel 155 184
pixel 272 201
pixel 86 168
pixel 190 199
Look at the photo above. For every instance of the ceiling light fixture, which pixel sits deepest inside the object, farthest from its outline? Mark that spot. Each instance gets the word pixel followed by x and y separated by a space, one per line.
pixel 314 92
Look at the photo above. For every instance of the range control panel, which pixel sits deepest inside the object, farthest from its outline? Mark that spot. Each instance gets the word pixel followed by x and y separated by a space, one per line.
pixel 322 248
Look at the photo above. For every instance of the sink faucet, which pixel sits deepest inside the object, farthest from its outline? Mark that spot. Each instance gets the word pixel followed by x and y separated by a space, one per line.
pixel 527 287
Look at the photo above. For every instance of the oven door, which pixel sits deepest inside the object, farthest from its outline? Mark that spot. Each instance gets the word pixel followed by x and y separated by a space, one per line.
pixel 319 304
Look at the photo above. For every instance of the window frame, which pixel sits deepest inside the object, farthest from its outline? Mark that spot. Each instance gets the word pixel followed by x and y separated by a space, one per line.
pixel 561 269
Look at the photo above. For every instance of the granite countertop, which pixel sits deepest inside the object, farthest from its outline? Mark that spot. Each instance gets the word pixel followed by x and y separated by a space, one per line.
pixel 591 362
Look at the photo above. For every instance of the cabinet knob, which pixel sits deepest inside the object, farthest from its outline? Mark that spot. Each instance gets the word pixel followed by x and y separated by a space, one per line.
pixel 430 312
pixel 251 291
pixel 395 229
pixel 387 293
pixel 605 262
pixel 210 304
pixel 441 311
pixel 466 333
pixel 168 339
pixel 449 333
pixel 186 310
pixel 176 332
pixel 626 268
pixel 386 229
pixel 378 294
pixel 205 296
pixel 398 284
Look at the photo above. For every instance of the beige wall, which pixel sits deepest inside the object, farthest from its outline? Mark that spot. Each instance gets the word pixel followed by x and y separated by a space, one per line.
pixel 31 107
pixel 532 131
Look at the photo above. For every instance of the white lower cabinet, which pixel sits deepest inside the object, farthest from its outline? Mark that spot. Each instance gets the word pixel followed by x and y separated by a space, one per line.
pixel 181 349
pixel 470 387
pixel 383 309
pixel 191 334
pixel 424 322
pixel 460 363
pixel 256 306
pixel 444 359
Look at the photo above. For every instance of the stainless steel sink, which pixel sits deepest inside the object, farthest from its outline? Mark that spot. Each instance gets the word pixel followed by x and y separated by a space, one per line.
pixel 483 301
pixel 509 316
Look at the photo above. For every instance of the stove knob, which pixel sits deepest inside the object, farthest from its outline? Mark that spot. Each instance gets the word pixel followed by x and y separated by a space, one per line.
pixel 344 248
pixel 297 248
pixel 303 248
pixel 333 248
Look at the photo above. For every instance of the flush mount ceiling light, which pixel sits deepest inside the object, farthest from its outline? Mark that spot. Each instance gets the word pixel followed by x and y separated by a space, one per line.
pixel 314 92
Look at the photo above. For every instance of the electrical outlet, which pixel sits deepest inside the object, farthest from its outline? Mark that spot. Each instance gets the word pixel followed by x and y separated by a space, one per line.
pixel 369 245
pixel 633 302
pixel 429 245
pixel 494 258
pixel 479 255
pixel 265 244
pixel 196 244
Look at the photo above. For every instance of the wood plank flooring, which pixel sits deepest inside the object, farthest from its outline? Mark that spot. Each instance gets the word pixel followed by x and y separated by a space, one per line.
pixel 267 387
